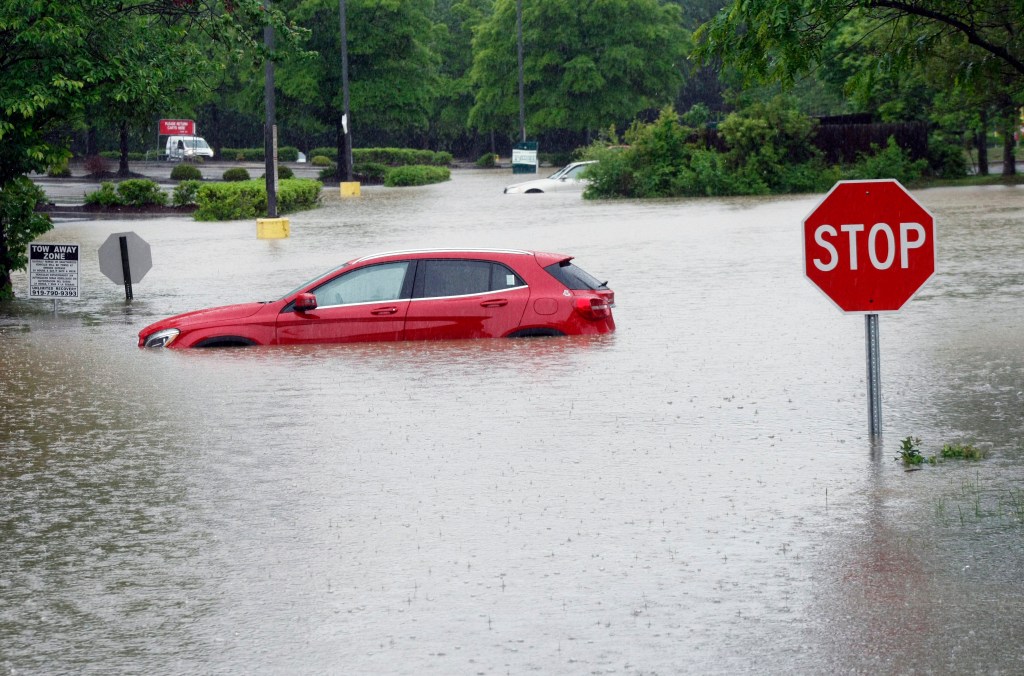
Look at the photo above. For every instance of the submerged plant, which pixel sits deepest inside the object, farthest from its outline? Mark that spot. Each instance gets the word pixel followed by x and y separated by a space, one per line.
pixel 910 451
pixel 963 452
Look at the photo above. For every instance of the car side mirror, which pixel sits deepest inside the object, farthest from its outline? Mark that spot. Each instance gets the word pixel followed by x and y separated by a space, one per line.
pixel 305 302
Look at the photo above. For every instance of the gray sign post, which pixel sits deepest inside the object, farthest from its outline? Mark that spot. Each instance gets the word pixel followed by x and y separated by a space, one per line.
pixel 125 258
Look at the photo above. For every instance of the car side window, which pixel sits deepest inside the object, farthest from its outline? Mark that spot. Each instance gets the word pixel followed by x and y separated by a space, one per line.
pixel 576 173
pixel 453 277
pixel 503 278
pixel 372 284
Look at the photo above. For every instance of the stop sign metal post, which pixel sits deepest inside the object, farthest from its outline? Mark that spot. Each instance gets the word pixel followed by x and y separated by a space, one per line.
pixel 869 246
pixel 125 258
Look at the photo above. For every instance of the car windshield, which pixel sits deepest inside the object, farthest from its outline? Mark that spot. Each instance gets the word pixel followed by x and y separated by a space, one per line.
pixel 318 278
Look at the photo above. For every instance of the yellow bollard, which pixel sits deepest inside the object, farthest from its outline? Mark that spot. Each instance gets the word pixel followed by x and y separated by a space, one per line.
pixel 350 189
pixel 272 228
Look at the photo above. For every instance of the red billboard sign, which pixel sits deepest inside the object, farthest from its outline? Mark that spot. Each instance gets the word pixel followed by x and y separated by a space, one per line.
pixel 177 128
pixel 869 245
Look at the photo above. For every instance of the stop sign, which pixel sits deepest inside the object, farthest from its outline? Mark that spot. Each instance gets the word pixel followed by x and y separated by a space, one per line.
pixel 869 246
pixel 140 258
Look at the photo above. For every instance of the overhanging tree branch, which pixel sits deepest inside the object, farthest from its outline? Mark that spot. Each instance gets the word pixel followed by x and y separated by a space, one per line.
pixel 969 31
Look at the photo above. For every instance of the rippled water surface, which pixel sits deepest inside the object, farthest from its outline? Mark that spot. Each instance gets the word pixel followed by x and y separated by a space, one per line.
pixel 696 493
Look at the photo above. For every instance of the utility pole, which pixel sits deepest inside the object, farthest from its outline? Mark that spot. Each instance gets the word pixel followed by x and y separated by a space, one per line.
pixel 345 163
pixel 270 125
pixel 519 44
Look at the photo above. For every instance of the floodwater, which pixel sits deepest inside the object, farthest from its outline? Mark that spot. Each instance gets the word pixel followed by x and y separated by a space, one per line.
pixel 696 493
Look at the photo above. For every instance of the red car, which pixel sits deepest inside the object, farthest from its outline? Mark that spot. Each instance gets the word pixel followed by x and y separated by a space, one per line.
pixel 410 295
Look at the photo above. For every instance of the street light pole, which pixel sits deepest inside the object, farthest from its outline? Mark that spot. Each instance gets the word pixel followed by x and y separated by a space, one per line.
pixel 270 125
pixel 519 45
pixel 345 163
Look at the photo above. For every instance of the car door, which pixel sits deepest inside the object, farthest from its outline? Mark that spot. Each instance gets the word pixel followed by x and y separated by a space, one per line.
pixel 461 298
pixel 364 304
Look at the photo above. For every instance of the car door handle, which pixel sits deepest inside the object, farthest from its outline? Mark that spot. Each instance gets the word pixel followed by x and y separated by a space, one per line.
pixel 498 302
pixel 384 311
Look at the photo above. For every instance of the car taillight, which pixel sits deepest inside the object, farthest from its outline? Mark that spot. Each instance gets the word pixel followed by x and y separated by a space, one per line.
pixel 593 308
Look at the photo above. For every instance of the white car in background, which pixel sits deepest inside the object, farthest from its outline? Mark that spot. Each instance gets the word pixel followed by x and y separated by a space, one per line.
pixel 568 178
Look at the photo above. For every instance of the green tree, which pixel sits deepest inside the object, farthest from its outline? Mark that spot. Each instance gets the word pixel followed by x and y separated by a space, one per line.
pixel 780 39
pixel 392 72
pixel 587 63
pixel 58 56
pixel 453 43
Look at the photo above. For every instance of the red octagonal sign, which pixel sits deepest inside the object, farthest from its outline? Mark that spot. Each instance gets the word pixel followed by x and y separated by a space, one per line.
pixel 869 245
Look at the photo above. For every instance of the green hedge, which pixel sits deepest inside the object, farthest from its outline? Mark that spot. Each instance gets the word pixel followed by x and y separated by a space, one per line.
pixel 399 157
pixel 418 174
pixel 116 155
pixel 133 192
pixel 284 154
pixel 392 157
pixel 329 153
pixel 248 199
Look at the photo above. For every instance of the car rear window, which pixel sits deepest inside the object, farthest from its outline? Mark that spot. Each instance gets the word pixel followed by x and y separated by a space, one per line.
pixel 574 277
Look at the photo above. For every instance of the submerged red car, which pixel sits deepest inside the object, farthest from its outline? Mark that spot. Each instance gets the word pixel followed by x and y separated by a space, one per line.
pixel 410 295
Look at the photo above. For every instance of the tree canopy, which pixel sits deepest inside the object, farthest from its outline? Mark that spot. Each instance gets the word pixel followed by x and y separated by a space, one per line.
pixel 587 63
pixel 780 39
pixel 60 56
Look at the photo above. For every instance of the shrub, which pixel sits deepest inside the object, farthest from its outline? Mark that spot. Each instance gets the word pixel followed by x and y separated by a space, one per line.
pixel 96 164
pixel 399 157
pixel 284 154
pixel 139 192
pixel 329 153
pixel 106 196
pixel 487 160
pixel 134 192
pixel 18 200
pixel 133 156
pixel 321 161
pixel 946 157
pixel 185 193
pixel 330 172
pixel 416 174
pixel 555 159
pixel 61 170
pixel 248 199
pixel 370 172
pixel 282 173
pixel 242 154
pixel 889 162
pixel 236 174
pixel 186 172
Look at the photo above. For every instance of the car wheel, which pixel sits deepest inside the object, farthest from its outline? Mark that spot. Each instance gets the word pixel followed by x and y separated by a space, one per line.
pixel 534 191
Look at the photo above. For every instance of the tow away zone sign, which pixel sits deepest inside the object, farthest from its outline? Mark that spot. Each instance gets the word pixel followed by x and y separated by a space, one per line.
pixel 53 271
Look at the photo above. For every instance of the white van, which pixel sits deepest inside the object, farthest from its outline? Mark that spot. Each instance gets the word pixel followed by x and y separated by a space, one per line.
pixel 180 147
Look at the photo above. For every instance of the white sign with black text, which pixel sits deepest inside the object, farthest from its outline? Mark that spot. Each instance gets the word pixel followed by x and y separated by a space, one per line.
pixel 53 271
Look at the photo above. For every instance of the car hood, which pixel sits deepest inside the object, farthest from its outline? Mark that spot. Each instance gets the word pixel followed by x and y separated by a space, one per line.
pixel 213 315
